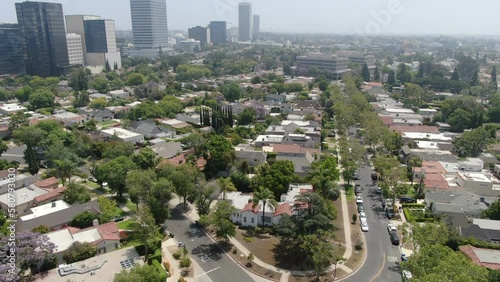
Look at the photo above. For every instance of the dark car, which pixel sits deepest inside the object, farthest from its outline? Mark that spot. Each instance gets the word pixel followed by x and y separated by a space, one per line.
pixel 361 208
pixel 332 134
pixel 394 238
pixel 407 200
pixel 357 189
pixel 118 219
pixel 374 176
pixel 378 190
pixel 390 213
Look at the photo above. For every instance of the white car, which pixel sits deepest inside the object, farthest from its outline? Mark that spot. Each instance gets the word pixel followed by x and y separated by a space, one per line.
pixel 391 228
pixel 364 225
pixel 362 215
pixel 359 200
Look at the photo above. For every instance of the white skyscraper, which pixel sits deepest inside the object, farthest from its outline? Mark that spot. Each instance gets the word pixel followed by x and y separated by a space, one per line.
pixel 245 21
pixel 149 27
pixel 75 49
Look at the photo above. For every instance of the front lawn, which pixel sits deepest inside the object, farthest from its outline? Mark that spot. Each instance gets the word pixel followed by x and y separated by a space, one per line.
pixel 260 245
pixel 349 191
pixel 127 224
pixel 92 184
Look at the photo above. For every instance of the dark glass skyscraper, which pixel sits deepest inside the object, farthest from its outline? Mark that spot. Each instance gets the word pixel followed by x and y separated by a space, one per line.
pixel 198 33
pixel 218 32
pixel 12 49
pixel 95 36
pixel 42 25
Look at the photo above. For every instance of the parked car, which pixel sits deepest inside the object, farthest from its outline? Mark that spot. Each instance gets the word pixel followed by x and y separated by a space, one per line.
pixel 355 176
pixel 378 190
pixel 407 200
pixel 357 189
pixel 394 238
pixel 406 275
pixel 374 176
pixel 362 215
pixel 361 208
pixel 359 200
pixel 391 228
pixel 364 225
pixel 390 213
pixel 118 219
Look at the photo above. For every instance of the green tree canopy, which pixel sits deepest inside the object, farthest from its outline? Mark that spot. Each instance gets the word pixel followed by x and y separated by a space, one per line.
pixel 76 193
pixel 277 176
pixel 472 143
pixel 231 91
pixel 42 98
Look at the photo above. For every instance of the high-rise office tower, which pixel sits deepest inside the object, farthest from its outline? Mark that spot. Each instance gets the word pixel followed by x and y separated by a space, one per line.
pixel 199 33
pixel 98 39
pixel 75 49
pixel 256 25
pixel 218 32
pixel 12 49
pixel 245 21
pixel 42 25
pixel 149 27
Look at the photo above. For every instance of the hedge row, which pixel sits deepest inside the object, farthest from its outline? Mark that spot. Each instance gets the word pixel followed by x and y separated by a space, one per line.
pixel 408 205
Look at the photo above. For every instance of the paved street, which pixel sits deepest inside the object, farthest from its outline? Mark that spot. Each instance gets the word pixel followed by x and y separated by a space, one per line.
pixel 382 256
pixel 215 263
pixel 15 153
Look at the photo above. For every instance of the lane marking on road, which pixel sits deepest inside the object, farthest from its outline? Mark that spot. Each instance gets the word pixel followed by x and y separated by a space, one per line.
pixel 380 270
pixel 207 272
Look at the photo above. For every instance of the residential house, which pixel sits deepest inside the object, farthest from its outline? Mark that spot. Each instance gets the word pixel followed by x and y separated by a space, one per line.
pixel 174 123
pixel 267 140
pixel 119 94
pixel 301 161
pixel 489 160
pixel 478 183
pixel 299 139
pixel 445 202
pixel 307 104
pixel 99 96
pixel 482 257
pixel 193 119
pixel 69 119
pixel 52 195
pixel 48 183
pixel 248 214
pixel 482 229
pixel 250 156
pixel 123 135
pixel 60 218
pixel 150 129
pixel 280 98
pixel 97 115
pixel 293 149
pixel 105 238
pixel 24 199
pixel 182 159
pixel 167 150
pixel 14 180
pixel 8 109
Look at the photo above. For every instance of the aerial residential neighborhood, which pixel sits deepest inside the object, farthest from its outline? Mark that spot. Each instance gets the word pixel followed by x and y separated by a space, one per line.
pixel 139 150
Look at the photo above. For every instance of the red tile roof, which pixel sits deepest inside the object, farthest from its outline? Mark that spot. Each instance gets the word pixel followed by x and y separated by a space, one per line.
pixel 387 120
pixel 435 181
pixel 416 128
pixel 294 149
pixel 250 207
pixel 469 251
pixel 51 182
pixel 283 208
pixel 431 167
pixel 51 195
pixel 108 231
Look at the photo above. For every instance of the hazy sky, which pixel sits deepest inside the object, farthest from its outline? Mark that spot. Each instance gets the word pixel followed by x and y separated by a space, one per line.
pixel 312 16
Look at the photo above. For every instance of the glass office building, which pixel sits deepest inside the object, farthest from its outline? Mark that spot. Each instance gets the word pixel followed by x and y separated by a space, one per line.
pixel 12 49
pixel 42 25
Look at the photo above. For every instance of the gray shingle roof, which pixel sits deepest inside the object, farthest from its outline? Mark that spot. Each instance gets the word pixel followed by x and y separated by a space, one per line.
pixel 58 218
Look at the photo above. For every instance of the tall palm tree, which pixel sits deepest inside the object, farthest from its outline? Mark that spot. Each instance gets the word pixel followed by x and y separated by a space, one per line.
pixel 226 184
pixel 267 197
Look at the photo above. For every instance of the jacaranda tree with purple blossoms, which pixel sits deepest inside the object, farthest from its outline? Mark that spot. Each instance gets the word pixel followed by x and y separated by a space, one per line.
pixel 19 253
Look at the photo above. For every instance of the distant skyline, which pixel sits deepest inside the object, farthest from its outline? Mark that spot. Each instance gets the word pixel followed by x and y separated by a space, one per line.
pixel 312 16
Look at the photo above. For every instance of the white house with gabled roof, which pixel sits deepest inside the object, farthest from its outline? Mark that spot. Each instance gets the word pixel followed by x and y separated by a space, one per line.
pixel 249 215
